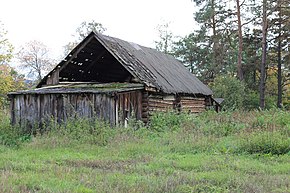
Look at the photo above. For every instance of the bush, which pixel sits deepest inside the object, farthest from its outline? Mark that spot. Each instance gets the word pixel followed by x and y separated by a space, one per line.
pixel 168 121
pixel 275 143
pixel 83 130
pixel 11 135
pixel 231 89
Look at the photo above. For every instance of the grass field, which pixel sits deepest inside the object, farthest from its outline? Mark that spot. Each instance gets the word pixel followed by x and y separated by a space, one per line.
pixel 226 152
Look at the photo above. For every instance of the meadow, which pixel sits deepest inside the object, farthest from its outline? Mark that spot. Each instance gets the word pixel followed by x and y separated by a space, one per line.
pixel 247 151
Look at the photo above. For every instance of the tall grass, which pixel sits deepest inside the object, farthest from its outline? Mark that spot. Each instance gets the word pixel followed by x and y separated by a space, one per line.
pixel 210 152
pixel 254 132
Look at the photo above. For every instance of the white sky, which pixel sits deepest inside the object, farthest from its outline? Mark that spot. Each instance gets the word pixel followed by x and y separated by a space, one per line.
pixel 54 21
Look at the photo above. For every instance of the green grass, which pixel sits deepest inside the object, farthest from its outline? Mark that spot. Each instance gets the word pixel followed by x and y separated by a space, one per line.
pixel 226 152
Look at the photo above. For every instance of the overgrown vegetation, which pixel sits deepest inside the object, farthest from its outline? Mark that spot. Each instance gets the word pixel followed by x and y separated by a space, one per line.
pixel 224 152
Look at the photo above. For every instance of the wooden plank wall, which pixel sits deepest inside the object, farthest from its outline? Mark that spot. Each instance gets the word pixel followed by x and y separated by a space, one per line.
pixel 129 104
pixel 38 108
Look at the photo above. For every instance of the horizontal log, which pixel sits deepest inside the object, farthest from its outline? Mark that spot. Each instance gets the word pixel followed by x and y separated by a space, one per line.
pixel 192 106
pixel 161 102
pixel 193 103
pixel 191 98
pixel 155 97
pixel 159 109
pixel 161 105
pixel 195 110
pixel 145 114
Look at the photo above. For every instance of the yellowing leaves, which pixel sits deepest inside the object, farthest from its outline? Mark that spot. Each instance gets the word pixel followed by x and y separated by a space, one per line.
pixel 10 81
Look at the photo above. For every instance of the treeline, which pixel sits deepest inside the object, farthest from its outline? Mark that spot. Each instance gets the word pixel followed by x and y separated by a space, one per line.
pixel 240 48
pixel 245 39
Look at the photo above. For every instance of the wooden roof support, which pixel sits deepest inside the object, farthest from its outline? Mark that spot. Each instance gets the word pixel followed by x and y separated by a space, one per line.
pixel 95 60
pixel 76 51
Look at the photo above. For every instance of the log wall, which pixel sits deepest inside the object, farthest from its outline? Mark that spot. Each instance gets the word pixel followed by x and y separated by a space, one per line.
pixel 156 102
pixel 160 103
pixel 192 104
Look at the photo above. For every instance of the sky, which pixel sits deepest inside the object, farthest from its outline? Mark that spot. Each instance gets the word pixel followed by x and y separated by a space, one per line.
pixel 53 22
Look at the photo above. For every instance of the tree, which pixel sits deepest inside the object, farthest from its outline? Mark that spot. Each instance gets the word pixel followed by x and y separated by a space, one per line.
pixel 193 55
pixel 231 89
pixel 216 35
pixel 84 29
pixel 164 43
pixel 252 55
pixel 9 78
pixel 34 56
pixel 264 55
pixel 280 34
pixel 240 34
pixel 6 47
pixel 10 81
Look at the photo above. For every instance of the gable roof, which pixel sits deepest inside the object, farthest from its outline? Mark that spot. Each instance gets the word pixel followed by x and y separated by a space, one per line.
pixel 154 69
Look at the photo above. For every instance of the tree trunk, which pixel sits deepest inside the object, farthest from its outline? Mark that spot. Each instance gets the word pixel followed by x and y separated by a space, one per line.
pixel 215 43
pixel 279 65
pixel 264 53
pixel 239 65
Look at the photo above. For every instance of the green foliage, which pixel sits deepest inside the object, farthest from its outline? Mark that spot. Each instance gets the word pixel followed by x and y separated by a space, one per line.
pixel 78 130
pixel 10 81
pixel 11 135
pixel 86 27
pixel 82 31
pixel 169 121
pixel 5 47
pixel 231 89
pixel 211 152
pixel 164 44
pixel 274 143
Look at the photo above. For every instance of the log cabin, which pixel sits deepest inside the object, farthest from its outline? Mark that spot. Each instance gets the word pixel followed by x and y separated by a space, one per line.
pixel 111 79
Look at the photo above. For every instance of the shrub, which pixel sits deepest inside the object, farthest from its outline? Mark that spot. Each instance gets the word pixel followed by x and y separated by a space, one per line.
pixel 168 121
pixel 83 130
pixel 231 89
pixel 264 142
pixel 11 135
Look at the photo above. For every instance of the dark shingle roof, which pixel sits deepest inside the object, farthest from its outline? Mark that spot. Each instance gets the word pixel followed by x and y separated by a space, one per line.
pixel 153 68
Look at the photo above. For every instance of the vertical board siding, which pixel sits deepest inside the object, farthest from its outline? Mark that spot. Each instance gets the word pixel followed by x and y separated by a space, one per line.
pixel 38 108
pixel 130 104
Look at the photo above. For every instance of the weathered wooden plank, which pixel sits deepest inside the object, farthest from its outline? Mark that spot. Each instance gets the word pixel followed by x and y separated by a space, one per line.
pixel 158 110
pixel 191 98
pixel 53 78
pixel 192 102
pixel 160 102
pixel 192 106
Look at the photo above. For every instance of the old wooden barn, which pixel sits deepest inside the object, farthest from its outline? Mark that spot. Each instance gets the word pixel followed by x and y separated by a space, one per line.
pixel 111 79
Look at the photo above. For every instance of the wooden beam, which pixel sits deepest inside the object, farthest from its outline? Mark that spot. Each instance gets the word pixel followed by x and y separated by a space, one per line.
pixel 95 60
pixel 76 51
